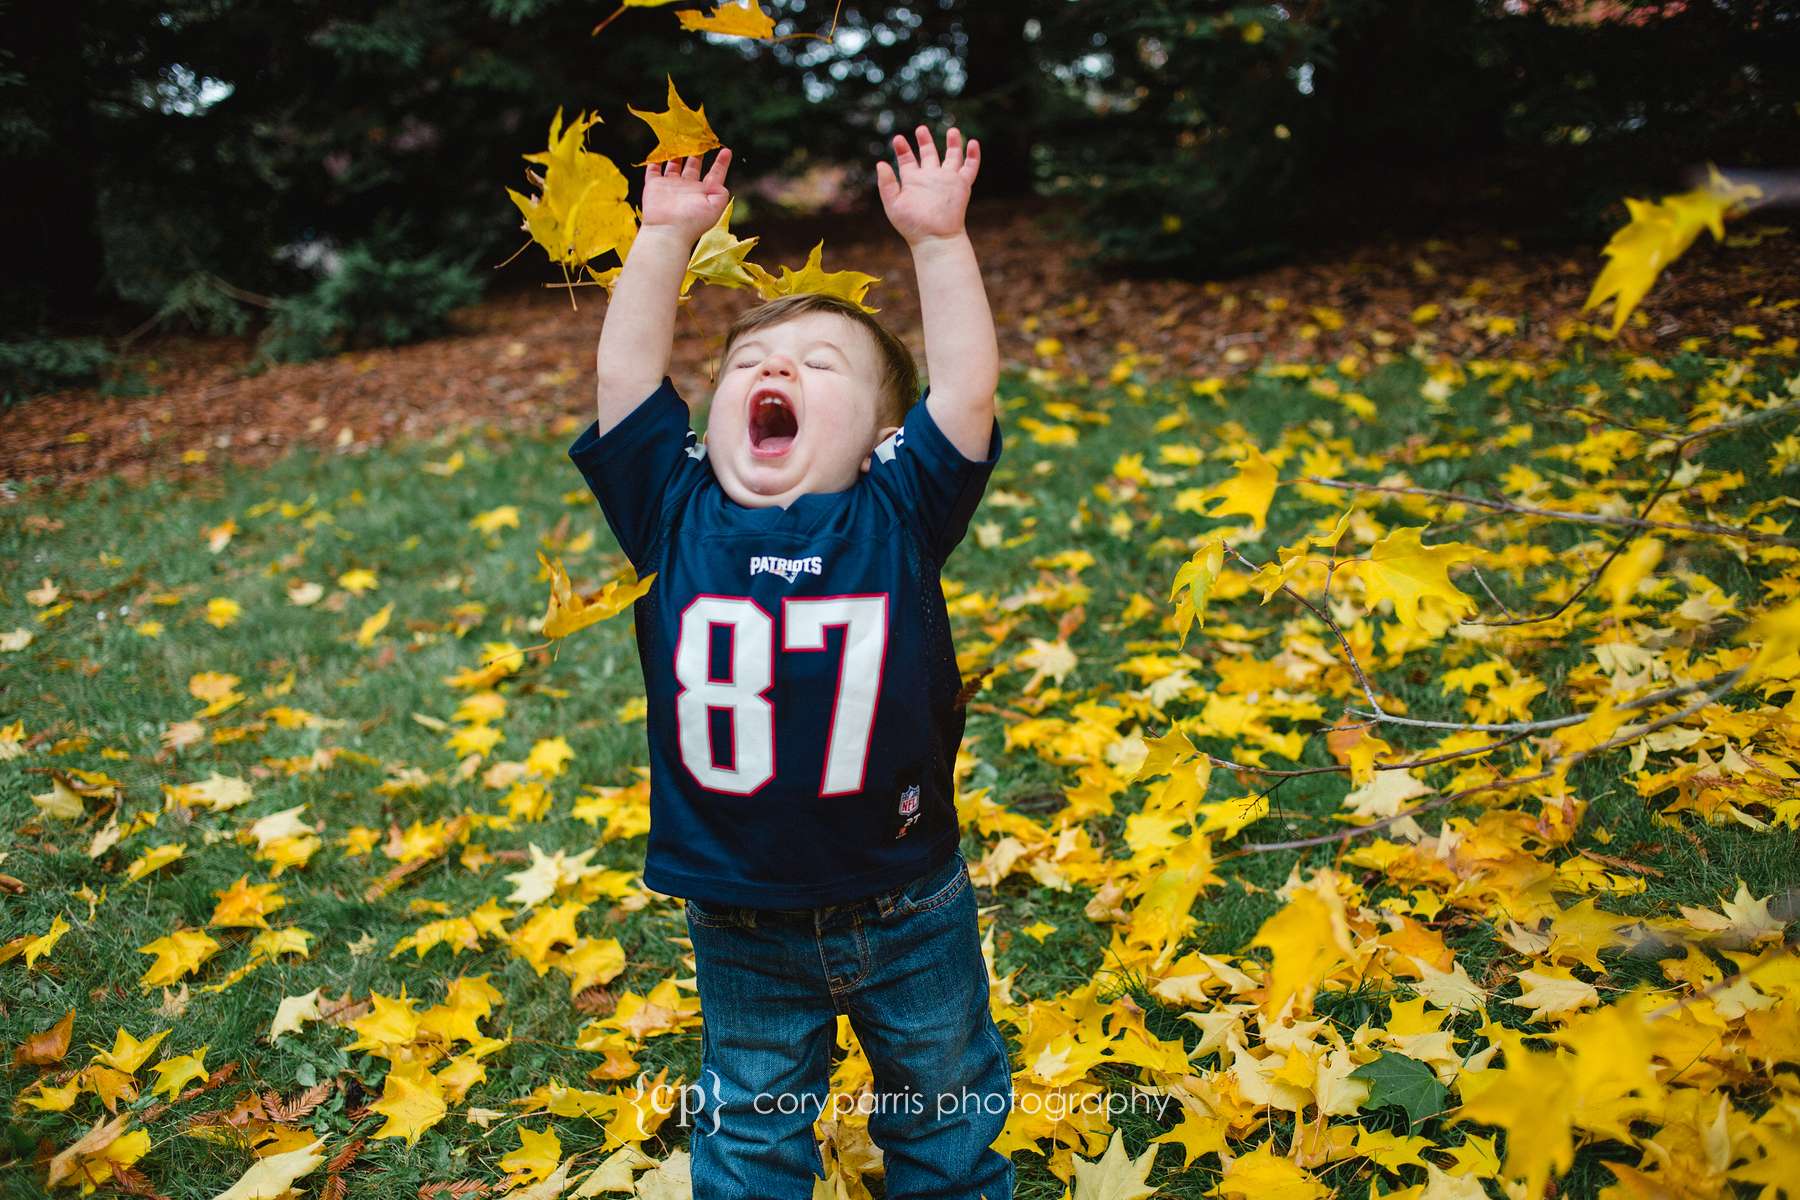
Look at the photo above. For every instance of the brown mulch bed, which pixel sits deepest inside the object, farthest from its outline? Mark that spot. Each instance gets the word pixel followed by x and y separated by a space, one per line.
pixel 525 358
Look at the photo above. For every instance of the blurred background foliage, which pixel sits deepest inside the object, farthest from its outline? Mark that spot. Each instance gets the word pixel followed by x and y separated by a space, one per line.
pixel 219 164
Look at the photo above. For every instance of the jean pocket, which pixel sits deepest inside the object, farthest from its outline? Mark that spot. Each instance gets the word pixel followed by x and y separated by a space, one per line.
pixel 935 888
pixel 713 916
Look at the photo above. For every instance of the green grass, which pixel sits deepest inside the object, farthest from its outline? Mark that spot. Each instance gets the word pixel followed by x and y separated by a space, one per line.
pixel 91 677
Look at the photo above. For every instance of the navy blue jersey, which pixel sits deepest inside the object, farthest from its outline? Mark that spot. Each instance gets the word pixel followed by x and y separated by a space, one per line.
pixel 798 667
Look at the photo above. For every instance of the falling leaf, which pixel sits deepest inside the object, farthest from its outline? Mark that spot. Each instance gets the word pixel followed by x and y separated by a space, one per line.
pixel 1658 234
pixel 568 612
pixel 719 258
pixel 731 19
pixel 812 277
pixel 681 132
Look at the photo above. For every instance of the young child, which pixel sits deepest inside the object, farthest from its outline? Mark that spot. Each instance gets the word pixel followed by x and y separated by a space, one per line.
pixel 802 684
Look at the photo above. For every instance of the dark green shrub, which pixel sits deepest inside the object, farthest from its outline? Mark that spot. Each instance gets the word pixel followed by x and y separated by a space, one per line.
pixel 369 302
pixel 37 365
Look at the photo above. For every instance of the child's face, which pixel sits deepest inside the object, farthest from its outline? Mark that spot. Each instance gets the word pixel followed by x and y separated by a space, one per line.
pixel 819 436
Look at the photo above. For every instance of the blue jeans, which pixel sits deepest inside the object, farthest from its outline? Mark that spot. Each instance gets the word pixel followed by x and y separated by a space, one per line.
pixel 906 966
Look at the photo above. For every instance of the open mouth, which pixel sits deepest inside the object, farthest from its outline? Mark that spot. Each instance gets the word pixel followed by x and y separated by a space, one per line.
pixel 773 425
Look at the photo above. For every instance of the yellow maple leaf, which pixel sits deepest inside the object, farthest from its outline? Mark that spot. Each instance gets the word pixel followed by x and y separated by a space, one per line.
pixel 495 519
pixel 1197 577
pixel 292 1014
pixel 244 905
pixel 1115 1175
pixel 1619 582
pixel 718 257
pixel 173 1074
pixel 412 1100
pixel 582 210
pixel 1657 235
pixel 731 20
pixel 222 611
pixel 1309 941
pixel 275 1174
pixel 1054 659
pixel 389 1027
pixel 1400 569
pixel 1264 1175
pixel 1533 1100
pixel 1775 636
pixel 549 756
pixel 568 612
pixel 538 1154
pixel 178 954
pixel 357 581
pixel 373 625
pixel 812 277
pixel 127 1053
pixel 1249 492
pixel 680 131
pixel 153 859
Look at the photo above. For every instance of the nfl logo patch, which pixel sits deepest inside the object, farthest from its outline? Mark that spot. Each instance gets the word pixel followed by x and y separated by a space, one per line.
pixel 909 801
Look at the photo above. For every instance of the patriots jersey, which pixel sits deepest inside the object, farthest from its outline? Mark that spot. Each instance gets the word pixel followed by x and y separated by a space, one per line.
pixel 798 667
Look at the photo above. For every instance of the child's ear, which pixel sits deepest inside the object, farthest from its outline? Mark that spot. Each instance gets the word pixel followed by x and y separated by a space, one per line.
pixel 881 435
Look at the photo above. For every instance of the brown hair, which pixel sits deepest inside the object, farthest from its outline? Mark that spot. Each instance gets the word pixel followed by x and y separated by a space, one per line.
pixel 898 373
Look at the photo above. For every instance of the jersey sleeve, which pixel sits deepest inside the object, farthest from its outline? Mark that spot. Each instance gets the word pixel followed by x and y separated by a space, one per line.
pixel 927 474
pixel 634 467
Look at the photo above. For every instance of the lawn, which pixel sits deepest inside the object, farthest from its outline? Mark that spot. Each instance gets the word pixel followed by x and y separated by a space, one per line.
pixel 298 728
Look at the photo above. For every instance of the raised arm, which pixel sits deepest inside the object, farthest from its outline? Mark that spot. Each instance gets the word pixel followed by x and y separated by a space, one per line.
pixel 639 330
pixel 926 203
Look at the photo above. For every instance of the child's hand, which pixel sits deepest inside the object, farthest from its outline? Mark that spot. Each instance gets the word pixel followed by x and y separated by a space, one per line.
pixel 678 198
pixel 929 197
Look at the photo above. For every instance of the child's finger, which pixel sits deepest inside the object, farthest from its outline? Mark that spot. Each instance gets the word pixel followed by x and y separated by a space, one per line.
pixel 928 155
pixel 902 149
pixel 953 148
pixel 690 167
pixel 972 160
pixel 885 182
pixel 721 161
